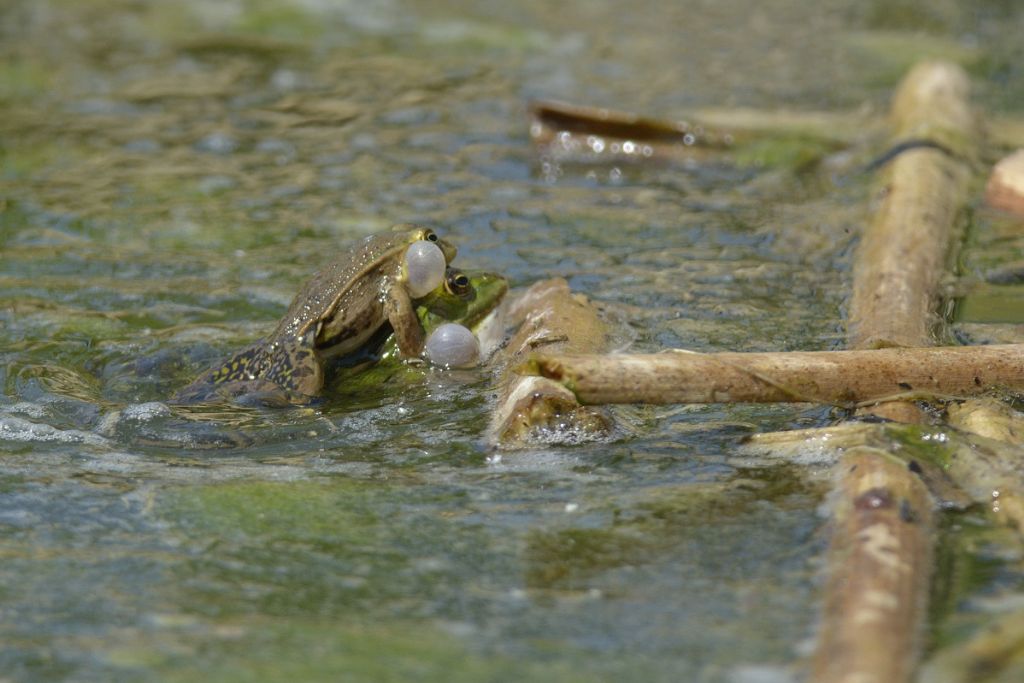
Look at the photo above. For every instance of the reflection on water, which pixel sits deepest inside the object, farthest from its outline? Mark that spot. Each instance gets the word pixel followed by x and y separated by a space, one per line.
pixel 171 172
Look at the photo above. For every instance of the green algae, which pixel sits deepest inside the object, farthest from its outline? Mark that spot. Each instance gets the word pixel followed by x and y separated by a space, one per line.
pixel 795 154
pixel 887 55
pixel 23 80
pixel 381 652
pixel 343 511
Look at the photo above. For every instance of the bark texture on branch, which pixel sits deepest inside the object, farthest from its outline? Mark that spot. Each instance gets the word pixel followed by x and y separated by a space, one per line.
pixel 881 561
pixel 882 539
pixel 902 255
pixel 838 377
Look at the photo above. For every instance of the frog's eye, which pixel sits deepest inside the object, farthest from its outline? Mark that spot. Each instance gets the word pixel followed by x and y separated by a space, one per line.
pixel 424 268
pixel 457 283
pixel 430 235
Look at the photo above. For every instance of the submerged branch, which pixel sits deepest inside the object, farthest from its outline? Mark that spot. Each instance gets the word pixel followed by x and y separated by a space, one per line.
pixel 879 565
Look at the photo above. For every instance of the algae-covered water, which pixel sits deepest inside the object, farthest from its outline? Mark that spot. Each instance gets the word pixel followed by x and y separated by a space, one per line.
pixel 171 172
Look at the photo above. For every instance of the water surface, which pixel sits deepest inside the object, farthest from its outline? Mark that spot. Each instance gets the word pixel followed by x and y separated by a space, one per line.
pixel 171 172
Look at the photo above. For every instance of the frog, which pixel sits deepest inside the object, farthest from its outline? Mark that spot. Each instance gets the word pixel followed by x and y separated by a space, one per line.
pixel 467 297
pixel 335 313
pixel 473 298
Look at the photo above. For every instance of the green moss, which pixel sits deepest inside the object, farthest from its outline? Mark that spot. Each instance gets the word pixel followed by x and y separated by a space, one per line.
pixel 887 55
pixel 666 519
pixel 23 80
pixel 918 442
pixel 992 304
pixel 281 20
pixel 379 652
pixel 279 511
pixel 23 158
pixel 912 15
pixel 794 153
pixel 478 35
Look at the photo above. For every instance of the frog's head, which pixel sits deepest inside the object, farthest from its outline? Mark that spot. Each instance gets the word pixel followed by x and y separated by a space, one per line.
pixel 421 233
pixel 424 259
pixel 464 297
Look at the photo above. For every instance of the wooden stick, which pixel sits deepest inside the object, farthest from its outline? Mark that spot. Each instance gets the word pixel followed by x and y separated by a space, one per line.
pixel 843 378
pixel 902 255
pixel 882 537
pixel 880 564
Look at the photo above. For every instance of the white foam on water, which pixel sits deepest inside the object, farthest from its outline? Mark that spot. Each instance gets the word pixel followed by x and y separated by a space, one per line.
pixel 18 429
pixel 144 412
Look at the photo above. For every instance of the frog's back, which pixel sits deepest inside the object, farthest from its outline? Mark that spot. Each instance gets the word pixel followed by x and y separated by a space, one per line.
pixel 347 280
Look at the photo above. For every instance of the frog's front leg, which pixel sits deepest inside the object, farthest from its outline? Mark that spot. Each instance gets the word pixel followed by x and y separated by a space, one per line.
pixel 409 334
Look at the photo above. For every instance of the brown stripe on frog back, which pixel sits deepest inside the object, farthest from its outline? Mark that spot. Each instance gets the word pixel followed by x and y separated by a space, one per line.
pixel 333 283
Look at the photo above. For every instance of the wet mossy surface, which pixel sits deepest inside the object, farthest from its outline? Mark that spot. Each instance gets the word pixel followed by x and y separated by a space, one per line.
pixel 171 172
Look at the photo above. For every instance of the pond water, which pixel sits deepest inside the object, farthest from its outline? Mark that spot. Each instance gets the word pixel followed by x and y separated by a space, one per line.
pixel 171 172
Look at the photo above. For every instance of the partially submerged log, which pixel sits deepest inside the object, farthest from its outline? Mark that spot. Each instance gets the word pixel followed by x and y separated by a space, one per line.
pixel 902 255
pixel 721 127
pixel 885 565
pixel 989 418
pixel 842 378
pixel 882 538
pixel 532 410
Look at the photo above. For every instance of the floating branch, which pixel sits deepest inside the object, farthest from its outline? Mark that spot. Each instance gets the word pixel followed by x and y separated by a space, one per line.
pixel 902 255
pixel 842 378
